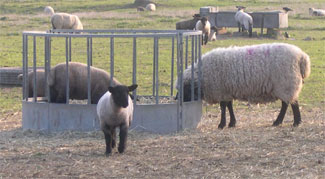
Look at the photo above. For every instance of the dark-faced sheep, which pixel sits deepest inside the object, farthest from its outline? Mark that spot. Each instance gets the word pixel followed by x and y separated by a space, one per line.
pixel 78 82
pixel 188 24
pixel 257 74
pixel 40 83
pixel 204 25
pixel 115 109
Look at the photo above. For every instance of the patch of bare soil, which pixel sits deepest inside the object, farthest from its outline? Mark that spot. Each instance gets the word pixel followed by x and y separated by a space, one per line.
pixel 254 149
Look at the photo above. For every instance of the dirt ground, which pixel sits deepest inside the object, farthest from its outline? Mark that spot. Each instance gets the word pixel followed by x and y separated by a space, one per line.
pixel 254 149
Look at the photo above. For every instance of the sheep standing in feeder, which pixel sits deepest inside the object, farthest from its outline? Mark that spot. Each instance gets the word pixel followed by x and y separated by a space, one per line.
pixel 40 83
pixel 151 7
pixel 258 74
pixel 78 82
pixel 115 109
pixel 204 25
pixel 63 20
pixel 316 12
pixel 188 24
pixel 244 20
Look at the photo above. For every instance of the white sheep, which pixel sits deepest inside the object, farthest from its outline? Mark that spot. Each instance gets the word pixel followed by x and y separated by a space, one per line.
pixel 63 20
pixel 115 109
pixel 151 7
pixel 244 20
pixel 257 74
pixel 204 25
pixel 316 12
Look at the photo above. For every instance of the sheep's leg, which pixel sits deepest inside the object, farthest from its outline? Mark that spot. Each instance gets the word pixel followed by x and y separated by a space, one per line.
pixel 206 36
pixel 281 115
pixel 250 30
pixel 108 140
pixel 123 138
pixel 239 27
pixel 296 114
pixel 223 105
pixel 113 138
pixel 232 122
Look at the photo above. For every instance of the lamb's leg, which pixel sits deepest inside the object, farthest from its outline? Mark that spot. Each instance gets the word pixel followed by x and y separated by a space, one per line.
pixel 108 140
pixel 123 138
pixel 281 115
pixel 223 105
pixel 239 27
pixel 113 138
pixel 232 122
pixel 250 30
pixel 206 37
pixel 296 114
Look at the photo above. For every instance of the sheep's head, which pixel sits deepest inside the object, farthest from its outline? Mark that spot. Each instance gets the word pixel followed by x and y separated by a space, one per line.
pixel 204 21
pixel 120 94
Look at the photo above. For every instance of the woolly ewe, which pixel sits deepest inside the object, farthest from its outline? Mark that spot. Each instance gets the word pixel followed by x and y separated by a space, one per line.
pixel 258 74
pixel 63 20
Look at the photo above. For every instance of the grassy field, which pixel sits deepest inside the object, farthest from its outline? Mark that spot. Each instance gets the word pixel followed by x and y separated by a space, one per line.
pixel 200 153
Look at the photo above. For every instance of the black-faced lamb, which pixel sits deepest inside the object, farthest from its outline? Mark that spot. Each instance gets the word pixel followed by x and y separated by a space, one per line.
pixel 188 24
pixel 78 82
pixel 63 20
pixel 204 25
pixel 115 109
pixel 316 12
pixel 40 83
pixel 244 20
pixel 257 74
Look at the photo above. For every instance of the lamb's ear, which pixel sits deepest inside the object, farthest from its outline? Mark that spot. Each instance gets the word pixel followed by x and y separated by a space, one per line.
pixel 132 87
pixel 111 89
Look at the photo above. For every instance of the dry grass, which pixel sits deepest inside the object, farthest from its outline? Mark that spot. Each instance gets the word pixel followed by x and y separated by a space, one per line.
pixel 253 149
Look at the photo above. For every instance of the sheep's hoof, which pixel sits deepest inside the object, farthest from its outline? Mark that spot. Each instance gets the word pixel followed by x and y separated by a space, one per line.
pixel 276 123
pixel 232 125
pixel 221 126
pixel 296 124
pixel 121 149
pixel 107 154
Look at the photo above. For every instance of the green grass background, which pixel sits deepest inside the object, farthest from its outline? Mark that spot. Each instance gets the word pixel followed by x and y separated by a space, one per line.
pixel 18 15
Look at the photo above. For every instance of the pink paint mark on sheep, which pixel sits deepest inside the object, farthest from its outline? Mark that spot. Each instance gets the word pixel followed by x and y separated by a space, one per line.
pixel 250 51
pixel 267 53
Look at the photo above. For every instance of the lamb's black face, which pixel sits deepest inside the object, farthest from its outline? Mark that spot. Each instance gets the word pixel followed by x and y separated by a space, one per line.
pixel 120 94
pixel 204 21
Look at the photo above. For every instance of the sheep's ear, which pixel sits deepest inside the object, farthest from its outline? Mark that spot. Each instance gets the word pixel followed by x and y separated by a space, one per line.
pixel 132 87
pixel 111 89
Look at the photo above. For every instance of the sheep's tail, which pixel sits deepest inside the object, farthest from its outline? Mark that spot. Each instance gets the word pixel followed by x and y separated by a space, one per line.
pixel 304 65
pixel 51 78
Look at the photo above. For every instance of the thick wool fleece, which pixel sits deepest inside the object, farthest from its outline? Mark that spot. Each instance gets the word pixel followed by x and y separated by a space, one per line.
pixel 258 73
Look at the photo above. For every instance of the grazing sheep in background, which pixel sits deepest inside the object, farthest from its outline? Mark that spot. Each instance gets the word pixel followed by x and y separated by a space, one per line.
pixel 151 7
pixel 188 24
pixel 40 83
pixel 115 109
pixel 78 82
pixel 257 74
pixel 244 20
pixel 316 12
pixel 63 20
pixel 204 25
pixel 213 33
pixel 140 8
